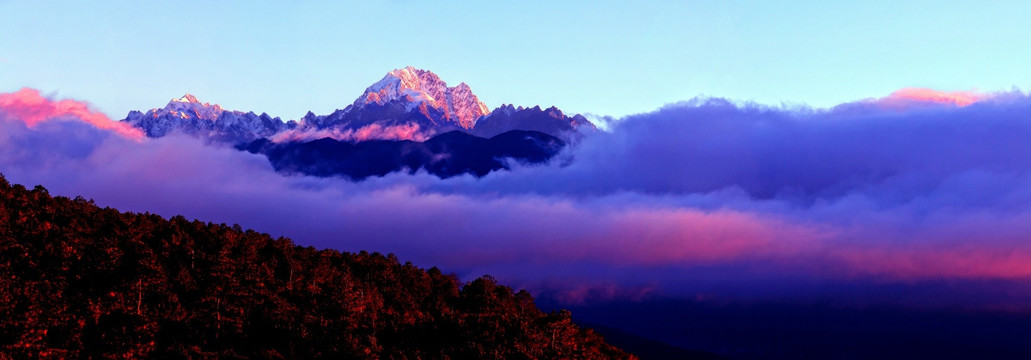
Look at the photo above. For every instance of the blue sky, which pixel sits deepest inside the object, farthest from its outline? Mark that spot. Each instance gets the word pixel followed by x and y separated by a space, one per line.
pixel 607 58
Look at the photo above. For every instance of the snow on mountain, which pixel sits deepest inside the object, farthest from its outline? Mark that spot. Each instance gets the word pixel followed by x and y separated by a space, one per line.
pixel 209 121
pixel 189 107
pixel 418 88
pixel 406 104
pixel 410 98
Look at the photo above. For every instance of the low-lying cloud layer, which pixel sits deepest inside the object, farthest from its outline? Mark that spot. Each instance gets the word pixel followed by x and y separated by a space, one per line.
pixel 706 197
pixel 31 108
pixel 408 131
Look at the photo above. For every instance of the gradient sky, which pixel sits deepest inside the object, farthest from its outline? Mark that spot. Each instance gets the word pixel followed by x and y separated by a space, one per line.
pixel 606 58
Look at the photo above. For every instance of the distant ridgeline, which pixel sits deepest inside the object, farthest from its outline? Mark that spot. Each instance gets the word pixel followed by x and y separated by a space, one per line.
pixel 445 155
pixel 79 281
pixel 407 107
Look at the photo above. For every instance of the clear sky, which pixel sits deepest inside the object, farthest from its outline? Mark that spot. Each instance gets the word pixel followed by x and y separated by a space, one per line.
pixel 605 57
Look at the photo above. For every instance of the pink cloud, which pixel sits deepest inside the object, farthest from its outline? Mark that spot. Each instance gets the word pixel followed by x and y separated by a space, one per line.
pixel 409 131
pixel 29 106
pixel 677 235
pixel 930 263
pixel 902 97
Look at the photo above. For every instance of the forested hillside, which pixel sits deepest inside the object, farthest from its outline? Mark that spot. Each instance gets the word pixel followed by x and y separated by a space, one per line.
pixel 77 280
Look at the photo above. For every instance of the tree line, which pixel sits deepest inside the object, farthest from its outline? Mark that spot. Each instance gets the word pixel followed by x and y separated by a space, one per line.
pixel 81 281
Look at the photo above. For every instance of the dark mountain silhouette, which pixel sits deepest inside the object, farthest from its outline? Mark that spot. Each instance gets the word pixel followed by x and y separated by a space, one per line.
pixel 80 281
pixel 549 121
pixel 445 155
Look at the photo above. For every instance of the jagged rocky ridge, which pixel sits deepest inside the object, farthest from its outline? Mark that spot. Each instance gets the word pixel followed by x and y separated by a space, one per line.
pixel 549 121
pixel 190 116
pixel 406 104
pixel 410 120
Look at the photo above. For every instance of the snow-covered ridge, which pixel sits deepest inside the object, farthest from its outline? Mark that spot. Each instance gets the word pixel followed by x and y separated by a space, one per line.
pixel 210 121
pixel 416 87
pixel 406 104
pixel 188 106
pixel 188 98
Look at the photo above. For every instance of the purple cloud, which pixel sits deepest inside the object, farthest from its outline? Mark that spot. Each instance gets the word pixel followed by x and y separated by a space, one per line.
pixel 706 196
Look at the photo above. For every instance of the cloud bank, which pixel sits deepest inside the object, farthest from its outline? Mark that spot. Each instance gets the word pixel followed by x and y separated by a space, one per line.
pixel 28 106
pixel 409 131
pixel 707 197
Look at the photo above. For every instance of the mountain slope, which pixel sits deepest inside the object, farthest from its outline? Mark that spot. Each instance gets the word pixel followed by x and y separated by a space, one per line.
pixel 418 88
pixel 411 96
pixel 79 281
pixel 406 104
pixel 445 155
pixel 550 121
pixel 210 122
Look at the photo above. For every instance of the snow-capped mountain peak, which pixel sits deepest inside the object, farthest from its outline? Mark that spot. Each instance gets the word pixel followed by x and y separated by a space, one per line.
pixel 416 88
pixel 188 107
pixel 188 98
pixel 188 115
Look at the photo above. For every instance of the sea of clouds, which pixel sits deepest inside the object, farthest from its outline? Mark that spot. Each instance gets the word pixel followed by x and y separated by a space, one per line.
pixel 705 198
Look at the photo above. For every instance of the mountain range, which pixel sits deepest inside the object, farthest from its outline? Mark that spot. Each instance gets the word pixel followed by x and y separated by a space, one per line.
pixel 406 104
pixel 190 116
pixel 410 120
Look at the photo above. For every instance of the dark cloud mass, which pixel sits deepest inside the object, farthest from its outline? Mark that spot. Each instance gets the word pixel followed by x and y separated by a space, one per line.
pixel 703 198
